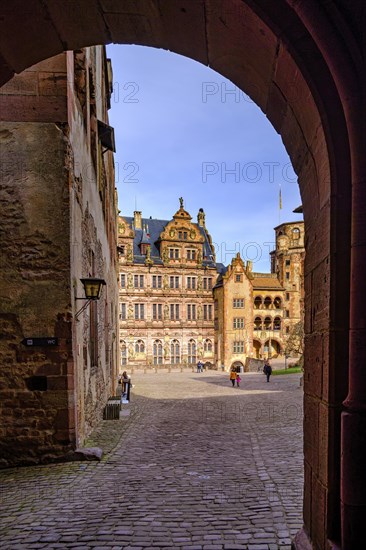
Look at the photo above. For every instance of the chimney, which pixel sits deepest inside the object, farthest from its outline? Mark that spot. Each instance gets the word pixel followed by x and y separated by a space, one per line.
pixel 249 268
pixel 137 219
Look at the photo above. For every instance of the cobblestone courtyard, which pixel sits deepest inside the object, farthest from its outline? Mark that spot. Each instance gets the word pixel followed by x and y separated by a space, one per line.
pixel 193 463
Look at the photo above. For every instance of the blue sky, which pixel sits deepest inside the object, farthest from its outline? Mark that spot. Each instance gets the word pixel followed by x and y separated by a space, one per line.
pixel 184 130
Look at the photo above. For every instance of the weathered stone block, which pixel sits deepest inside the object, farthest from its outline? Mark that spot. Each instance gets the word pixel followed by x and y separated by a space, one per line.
pixel 311 431
pixel 319 513
pixel 313 364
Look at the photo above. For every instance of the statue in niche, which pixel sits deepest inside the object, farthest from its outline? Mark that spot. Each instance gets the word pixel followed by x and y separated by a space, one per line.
pixel 166 311
pixel 199 284
pixel 165 282
pixel 199 258
pixel 129 280
pixel 199 312
pixel 166 350
pixel 165 256
pixel 129 253
pixel 130 311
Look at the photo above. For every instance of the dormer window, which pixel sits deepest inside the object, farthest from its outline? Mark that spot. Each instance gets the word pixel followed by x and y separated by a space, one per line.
pixel 182 235
pixel 296 234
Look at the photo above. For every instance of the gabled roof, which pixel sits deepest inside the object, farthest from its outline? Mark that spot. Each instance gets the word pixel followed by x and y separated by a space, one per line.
pixel 154 229
pixel 266 281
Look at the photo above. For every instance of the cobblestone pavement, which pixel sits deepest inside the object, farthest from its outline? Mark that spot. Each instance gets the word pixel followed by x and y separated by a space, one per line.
pixel 192 464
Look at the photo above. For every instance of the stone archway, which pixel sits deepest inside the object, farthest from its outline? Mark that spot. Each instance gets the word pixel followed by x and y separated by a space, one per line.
pixel 293 59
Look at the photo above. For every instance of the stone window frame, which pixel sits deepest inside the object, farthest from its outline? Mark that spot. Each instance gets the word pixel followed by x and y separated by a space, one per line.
pixel 139 312
pixel 138 280
pixel 191 312
pixel 207 345
pixel 191 282
pixel 158 352
pixel 123 311
pixel 174 312
pixel 207 312
pixel 140 346
pixel 238 323
pixel 192 351
pixel 157 311
pixel 238 346
pixel 175 349
pixel 156 281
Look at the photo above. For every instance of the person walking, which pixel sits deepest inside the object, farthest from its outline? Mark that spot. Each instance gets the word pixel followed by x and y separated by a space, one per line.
pixel 125 380
pixel 238 380
pixel 233 377
pixel 267 369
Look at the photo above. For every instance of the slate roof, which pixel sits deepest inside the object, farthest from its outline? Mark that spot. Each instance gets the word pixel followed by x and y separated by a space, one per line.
pixel 155 227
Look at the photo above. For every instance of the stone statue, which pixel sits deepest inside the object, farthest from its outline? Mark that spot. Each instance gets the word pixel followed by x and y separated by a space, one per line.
pixel 199 258
pixel 199 284
pixel 129 253
pixel 199 312
pixel 165 256
pixel 165 282
pixel 130 311
pixel 129 280
pixel 166 311
pixel 181 201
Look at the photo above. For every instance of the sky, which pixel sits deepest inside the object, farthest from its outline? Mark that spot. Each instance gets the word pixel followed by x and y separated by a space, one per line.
pixel 183 130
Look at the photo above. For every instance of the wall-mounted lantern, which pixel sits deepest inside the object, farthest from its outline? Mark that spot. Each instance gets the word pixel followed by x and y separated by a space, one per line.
pixel 93 290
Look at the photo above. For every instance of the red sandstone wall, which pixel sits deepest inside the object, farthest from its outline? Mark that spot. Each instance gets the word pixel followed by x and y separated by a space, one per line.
pixel 35 288
pixel 53 220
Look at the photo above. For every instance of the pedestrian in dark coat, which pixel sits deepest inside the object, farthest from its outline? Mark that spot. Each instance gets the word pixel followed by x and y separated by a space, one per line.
pixel 267 369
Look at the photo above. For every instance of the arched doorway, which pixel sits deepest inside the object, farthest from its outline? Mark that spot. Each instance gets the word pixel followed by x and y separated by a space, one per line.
pixel 257 348
pixel 292 59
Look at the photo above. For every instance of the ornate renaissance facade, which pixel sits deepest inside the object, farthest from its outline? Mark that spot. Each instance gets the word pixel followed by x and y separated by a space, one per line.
pixel 167 272
pixel 178 306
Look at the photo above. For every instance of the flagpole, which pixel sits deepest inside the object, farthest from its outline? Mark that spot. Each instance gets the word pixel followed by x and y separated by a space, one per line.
pixel 279 204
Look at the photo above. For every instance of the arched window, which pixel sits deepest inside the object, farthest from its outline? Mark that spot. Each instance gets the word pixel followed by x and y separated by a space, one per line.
pixel 267 323
pixel 277 302
pixel 174 352
pixel 267 302
pixel 277 323
pixel 258 323
pixel 139 346
pixel 158 352
pixel 258 302
pixel 192 352
pixel 123 352
pixel 207 346
pixel 296 234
